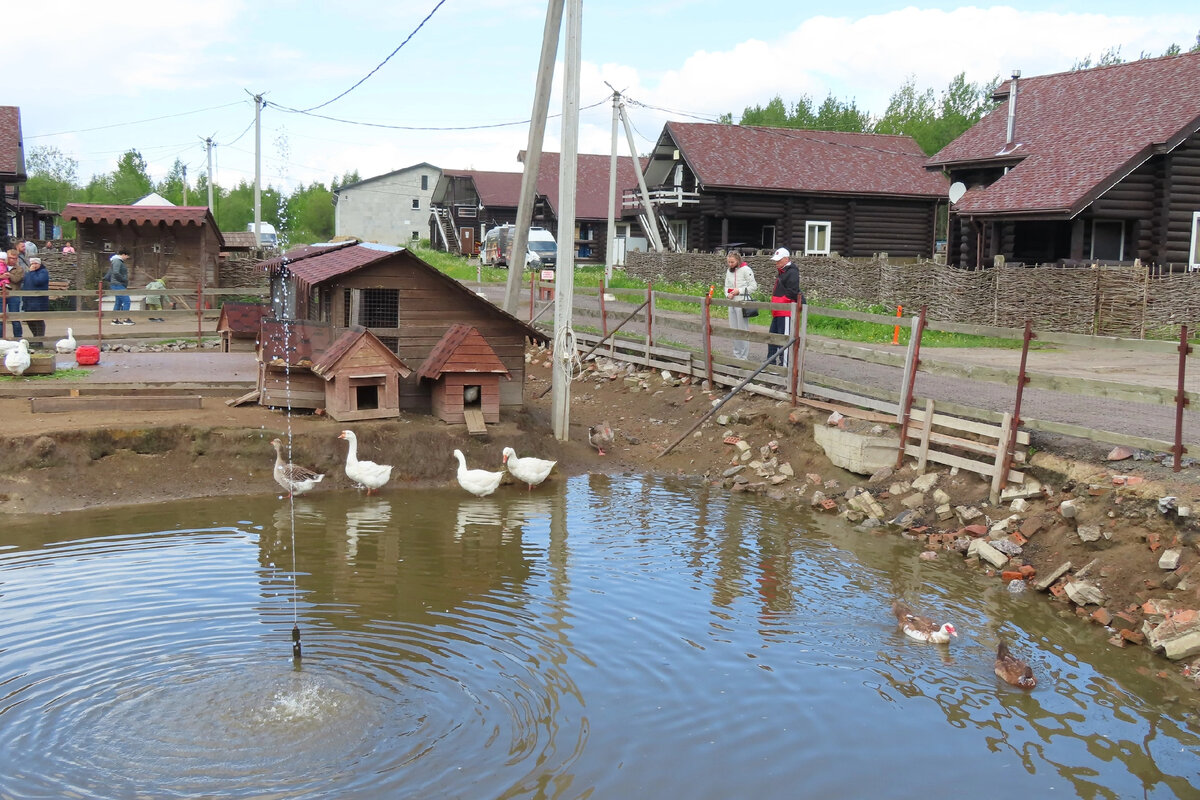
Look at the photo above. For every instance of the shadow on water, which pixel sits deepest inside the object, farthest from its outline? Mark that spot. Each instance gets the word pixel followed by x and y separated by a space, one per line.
pixel 605 636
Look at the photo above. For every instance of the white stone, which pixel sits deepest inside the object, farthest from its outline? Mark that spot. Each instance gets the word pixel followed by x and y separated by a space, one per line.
pixel 944 512
pixel 1088 533
pixel 1020 505
pixel 898 488
pixel 923 483
pixel 989 553
pixel 786 469
pixel 913 501
pixel 1068 509
pixel 1083 593
pixel 742 445
pixel 1170 558
pixel 940 497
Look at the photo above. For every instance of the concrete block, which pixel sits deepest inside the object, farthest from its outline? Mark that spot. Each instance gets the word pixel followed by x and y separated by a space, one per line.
pixel 1170 558
pixel 923 483
pixel 989 553
pixel 1083 593
pixel 862 454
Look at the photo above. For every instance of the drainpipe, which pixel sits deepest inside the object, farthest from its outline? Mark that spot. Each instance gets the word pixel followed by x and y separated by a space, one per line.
pixel 1012 109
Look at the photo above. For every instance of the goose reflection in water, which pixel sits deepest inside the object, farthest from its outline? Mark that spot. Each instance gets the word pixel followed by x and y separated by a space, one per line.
pixel 368 518
pixel 480 516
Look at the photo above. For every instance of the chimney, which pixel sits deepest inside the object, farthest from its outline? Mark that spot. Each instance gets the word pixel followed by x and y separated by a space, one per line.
pixel 1012 109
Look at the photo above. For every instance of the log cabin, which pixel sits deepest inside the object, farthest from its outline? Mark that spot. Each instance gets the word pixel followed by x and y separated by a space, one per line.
pixel 715 187
pixel 1095 165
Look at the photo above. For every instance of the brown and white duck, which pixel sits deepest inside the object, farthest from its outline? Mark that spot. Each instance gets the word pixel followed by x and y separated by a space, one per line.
pixel 601 436
pixel 1011 669
pixel 920 628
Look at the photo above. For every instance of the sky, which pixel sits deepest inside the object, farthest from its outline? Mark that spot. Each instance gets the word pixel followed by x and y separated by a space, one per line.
pixel 160 76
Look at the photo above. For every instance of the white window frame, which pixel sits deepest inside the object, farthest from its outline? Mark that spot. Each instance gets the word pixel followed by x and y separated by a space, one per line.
pixel 1194 252
pixel 416 204
pixel 679 228
pixel 809 225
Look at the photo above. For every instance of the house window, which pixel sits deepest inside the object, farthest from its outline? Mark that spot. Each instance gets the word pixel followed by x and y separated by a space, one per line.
pixel 108 247
pixel 1108 240
pixel 417 203
pixel 679 230
pixel 1194 253
pixel 424 183
pixel 416 236
pixel 768 237
pixel 816 238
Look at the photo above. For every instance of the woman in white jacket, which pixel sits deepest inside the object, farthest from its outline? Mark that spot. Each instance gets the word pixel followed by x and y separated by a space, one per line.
pixel 739 285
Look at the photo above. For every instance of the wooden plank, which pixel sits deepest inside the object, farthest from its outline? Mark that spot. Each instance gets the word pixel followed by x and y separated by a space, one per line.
pixel 248 397
pixel 952 460
pixel 61 404
pixel 846 411
pixel 859 353
pixel 968 425
pixel 923 455
pixel 853 399
pixel 1107 437
pixel 1000 464
pixel 474 420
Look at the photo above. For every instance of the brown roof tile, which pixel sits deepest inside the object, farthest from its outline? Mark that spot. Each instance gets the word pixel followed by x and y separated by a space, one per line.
pixel 12 151
pixel 591 193
pixel 326 363
pixel 494 188
pixel 242 318
pixel 142 215
pixel 1078 133
pixel 240 240
pixel 461 350
pixel 791 160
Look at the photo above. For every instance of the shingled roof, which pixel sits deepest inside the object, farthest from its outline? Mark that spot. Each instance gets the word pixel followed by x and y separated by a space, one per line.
pixel 143 215
pixel 461 350
pixel 325 364
pixel 494 188
pixel 12 150
pixel 792 160
pixel 1077 134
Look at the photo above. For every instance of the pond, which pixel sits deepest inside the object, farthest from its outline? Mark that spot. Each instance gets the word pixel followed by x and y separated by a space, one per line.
pixel 605 636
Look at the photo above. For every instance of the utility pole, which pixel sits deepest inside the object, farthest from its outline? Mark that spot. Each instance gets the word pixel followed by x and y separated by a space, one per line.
pixel 611 246
pixel 533 152
pixel 564 339
pixel 208 144
pixel 185 184
pixel 258 169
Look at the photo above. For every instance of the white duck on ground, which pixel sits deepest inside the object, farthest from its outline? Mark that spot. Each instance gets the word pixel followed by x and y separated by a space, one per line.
pixel 66 346
pixel 367 474
pixel 528 470
pixel 479 482
pixel 17 361
pixel 294 479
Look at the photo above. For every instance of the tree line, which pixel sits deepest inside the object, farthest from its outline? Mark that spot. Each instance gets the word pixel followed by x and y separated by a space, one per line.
pixel 303 215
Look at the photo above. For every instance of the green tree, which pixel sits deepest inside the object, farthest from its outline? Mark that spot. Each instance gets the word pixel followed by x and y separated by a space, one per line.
pixel 130 181
pixel 840 115
pixel 171 187
pixel 832 115
pixel 53 178
pixel 309 213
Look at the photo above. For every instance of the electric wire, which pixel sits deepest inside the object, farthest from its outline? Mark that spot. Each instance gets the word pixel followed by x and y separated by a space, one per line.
pixel 388 126
pixel 134 122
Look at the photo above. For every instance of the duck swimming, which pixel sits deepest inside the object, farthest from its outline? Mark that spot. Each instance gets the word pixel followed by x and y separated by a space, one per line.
pixel 1013 670
pixel 922 629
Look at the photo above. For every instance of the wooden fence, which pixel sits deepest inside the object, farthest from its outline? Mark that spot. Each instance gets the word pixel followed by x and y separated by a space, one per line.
pixel 688 342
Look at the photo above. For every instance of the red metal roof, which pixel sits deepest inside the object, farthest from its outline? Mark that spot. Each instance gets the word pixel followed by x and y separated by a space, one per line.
pixel 591 190
pixel 462 349
pixel 1078 133
pixel 12 152
pixel 494 188
pixel 326 363
pixel 142 215
pixel 791 160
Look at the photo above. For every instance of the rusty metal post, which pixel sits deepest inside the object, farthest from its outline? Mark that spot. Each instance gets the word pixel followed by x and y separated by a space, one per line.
pixel 708 356
pixel 1180 398
pixel 1022 379
pixel 906 408
pixel 100 314
pixel 649 317
pixel 532 292
pixel 199 313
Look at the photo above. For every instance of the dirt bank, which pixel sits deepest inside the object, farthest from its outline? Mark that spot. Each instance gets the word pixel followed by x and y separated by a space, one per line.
pixel 60 462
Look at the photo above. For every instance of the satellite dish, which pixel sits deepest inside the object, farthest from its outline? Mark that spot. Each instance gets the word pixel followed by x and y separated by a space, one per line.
pixel 957 190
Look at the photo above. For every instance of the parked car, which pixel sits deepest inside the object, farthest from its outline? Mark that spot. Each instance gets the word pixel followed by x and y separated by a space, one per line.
pixel 266 234
pixel 542 250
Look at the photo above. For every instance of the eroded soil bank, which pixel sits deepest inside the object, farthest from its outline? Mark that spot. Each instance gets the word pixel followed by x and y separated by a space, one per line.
pixel 1113 536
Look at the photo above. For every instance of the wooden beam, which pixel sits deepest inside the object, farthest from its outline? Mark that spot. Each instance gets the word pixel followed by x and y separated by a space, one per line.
pixel 56 405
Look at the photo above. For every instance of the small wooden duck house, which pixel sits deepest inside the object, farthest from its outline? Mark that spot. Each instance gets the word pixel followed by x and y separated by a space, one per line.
pixel 362 377
pixel 465 372
pixel 286 352
pixel 240 321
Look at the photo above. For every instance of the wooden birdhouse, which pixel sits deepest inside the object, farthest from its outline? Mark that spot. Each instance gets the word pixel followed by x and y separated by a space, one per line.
pixel 240 321
pixel 465 374
pixel 286 352
pixel 362 377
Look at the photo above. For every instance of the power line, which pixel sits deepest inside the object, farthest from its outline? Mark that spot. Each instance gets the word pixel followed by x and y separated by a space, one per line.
pixel 362 80
pixel 134 122
pixel 423 127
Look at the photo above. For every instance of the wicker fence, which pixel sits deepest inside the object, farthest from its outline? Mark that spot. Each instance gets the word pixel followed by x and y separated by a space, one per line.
pixel 1128 301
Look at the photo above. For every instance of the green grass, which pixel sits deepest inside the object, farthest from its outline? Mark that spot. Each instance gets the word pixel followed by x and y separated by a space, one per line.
pixel 69 373
pixel 458 267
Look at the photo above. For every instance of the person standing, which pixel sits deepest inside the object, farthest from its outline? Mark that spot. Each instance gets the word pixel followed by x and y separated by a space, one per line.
pixel 37 279
pixel 117 279
pixel 739 285
pixel 787 290
pixel 15 277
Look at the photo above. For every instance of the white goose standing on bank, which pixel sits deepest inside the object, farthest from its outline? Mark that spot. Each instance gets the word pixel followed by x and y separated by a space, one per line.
pixel 479 482
pixel 66 346
pixel 528 470
pixel 17 361
pixel 365 473
pixel 294 479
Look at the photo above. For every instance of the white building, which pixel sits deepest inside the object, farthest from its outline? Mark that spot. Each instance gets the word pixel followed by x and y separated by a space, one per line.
pixel 392 208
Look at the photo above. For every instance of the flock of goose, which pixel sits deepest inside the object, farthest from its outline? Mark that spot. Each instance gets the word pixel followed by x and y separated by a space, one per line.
pixel 16 354
pixel 297 480
pixel 1008 667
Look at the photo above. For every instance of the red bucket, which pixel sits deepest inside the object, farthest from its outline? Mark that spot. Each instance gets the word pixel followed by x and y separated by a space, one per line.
pixel 87 354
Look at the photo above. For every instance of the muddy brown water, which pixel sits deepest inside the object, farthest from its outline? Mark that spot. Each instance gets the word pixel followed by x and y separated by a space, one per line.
pixel 605 636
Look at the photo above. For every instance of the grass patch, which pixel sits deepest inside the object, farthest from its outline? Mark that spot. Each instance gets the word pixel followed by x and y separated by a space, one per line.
pixel 458 267
pixel 66 374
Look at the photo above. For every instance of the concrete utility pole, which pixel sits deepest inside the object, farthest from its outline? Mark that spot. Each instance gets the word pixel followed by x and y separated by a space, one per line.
pixel 611 246
pixel 564 340
pixel 533 152
pixel 208 145
pixel 258 169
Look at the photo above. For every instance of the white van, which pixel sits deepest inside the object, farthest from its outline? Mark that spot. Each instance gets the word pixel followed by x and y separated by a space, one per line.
pixel 542 251
pixel 266 234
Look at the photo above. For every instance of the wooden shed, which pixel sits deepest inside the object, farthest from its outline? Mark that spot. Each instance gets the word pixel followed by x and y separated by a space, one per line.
pixel 465 375
pixel 406 303
pixel 287 350
pixel 362 377
pixel 240 321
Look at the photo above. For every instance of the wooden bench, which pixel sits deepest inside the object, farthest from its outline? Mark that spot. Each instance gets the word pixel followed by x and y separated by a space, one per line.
pixel 59 286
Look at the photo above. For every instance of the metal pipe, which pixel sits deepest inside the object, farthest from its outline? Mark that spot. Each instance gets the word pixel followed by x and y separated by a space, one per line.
pixel 1012 108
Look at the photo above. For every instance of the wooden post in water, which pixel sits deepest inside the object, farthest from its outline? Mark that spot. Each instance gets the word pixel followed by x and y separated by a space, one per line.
pixel 795 360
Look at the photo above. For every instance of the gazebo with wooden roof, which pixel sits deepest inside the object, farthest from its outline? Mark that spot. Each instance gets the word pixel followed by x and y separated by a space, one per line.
pixel 362 377
pixel 465 372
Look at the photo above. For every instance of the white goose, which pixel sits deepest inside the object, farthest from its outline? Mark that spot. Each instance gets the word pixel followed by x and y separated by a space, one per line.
pixel 364 473
pixel 294 479
pixel 527 470
pixel 478 482
pixel 67 345
pixel 17 361
pixel 8 345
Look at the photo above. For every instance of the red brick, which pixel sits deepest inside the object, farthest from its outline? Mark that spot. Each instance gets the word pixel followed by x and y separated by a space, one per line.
pixel 828 504
pixel 1017 539
pixel 1011 575
pixel 1153 541
pixel 1116 641
pixel 1136 637
pixel 1028 571
pixel 1101 616
pixel 1134 480
pixel 976 530
pixel 1150 608
pixel 1184 617
pixel 1058 590
pixel 1032 526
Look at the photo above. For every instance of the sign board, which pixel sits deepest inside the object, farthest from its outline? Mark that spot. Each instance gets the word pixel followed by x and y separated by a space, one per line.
pixel 547 274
